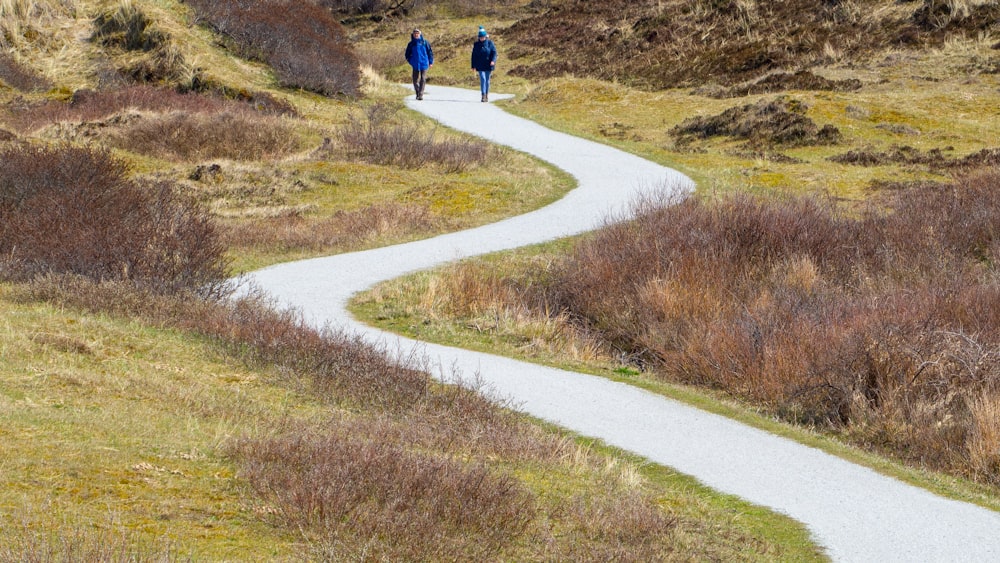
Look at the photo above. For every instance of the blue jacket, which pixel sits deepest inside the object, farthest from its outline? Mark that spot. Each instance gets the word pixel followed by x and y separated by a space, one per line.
pixel 483 53
pixel 419 54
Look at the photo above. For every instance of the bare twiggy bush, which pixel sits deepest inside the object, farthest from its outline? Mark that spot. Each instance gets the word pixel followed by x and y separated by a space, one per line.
pixel 359 493
pixel 627 529
pixel 73 210
pixel 303 42
pixel 344 230
pixel 108 542
pixel 234 135
pixel 379 142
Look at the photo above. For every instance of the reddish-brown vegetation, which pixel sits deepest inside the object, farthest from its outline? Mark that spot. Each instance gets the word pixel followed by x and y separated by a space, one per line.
pixel 302 42
pixel 377 141
pixel 17 76
pixel 883 326
pixel 74 210
pixel 343 230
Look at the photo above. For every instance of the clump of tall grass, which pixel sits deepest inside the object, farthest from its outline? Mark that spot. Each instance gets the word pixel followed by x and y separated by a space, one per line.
pixel 76 211
pixel 126 28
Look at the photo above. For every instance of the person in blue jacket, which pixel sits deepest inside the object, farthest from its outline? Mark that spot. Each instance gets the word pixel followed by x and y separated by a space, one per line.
pixel 484 60
pixel 421 57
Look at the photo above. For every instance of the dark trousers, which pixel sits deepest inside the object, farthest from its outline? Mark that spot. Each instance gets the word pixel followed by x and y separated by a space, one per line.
pixel 419 80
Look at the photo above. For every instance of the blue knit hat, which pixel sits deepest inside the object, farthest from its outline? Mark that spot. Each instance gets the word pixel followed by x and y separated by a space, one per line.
pixel 482 31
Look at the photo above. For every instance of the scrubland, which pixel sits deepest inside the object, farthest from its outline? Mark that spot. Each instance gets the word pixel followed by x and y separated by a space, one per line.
pixel 149 151
pixel 836 272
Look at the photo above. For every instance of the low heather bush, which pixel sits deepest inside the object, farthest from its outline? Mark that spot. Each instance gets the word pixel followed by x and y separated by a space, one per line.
pixel 234 135
pixel 304 43
pixel 379 142
pixel 357 492
pixel 74 210
pixel 343 230
pixel 778 122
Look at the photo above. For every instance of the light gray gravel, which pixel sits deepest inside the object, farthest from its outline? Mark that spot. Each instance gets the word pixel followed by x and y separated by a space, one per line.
pixel 854 512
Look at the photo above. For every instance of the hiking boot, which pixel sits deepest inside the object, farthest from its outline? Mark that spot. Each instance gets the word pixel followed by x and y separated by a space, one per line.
pixel 486 97
pixel 482 98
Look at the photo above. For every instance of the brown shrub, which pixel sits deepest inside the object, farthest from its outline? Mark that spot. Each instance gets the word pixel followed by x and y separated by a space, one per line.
pixel 235 135
pixel 91 541
pixel 73 210
pixel 782 81
pixel 304 44
pixel 676 43
pixel 344 230
pixel 358 493
pixel 377 141
pixel 90 105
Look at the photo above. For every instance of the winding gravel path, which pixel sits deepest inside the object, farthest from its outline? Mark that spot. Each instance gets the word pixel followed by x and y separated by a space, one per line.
pixel 854 512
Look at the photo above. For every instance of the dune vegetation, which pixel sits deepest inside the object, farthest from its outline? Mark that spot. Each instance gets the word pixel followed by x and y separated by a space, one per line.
pixel 151 150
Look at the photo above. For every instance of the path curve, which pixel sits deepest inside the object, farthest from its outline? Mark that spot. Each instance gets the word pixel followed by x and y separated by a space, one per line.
pixel 854 512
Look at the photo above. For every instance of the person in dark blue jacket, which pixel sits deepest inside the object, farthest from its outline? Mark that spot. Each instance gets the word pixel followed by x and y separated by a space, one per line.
pixel 484 60
pixel 421 57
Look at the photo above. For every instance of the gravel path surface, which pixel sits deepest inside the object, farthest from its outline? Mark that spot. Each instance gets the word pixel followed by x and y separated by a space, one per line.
pixel 854 512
